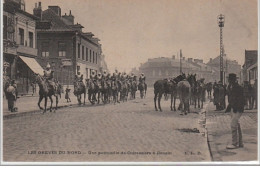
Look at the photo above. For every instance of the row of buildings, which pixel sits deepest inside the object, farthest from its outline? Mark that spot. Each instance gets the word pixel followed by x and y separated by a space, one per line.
pixel 30 41
pixel 165 67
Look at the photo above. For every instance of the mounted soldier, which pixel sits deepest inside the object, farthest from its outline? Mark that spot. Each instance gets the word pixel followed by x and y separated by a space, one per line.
pixel 99 76
pixel 142 78
pixel 48 76
pixel 105 75
pixel 93 75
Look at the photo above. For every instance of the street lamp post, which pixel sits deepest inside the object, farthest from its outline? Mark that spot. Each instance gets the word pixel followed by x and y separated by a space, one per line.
pixel 221 21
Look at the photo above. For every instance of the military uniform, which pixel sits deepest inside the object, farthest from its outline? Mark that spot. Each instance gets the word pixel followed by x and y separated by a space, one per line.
pixel 142 78
pixel 48 75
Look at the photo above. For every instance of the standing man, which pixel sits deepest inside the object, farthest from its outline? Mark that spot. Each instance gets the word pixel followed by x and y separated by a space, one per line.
pixel 236 107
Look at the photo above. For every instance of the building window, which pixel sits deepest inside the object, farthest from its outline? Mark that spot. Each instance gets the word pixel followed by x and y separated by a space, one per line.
pixel 93 57
pixel 86 54
pixel 83 56
pixel 78 50
pixel 5 27
pixel 160 72
pixel 45 49
pixel 78 70
pixel 96 58
pixel 90 57
pixel 62 49
pixel 21 36
pixel 7 22
pixel 31 39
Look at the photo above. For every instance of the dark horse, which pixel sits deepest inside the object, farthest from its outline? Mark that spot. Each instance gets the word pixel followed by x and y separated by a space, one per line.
pixel 209 88
pixel 45 91
pixel 142 87
pixel 169 87
pixel 79 88
pixel 91 88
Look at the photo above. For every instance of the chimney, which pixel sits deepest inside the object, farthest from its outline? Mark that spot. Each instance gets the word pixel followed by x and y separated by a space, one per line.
pixel 56 9
pixel 210 59
pixel 190 59
pixel 68 19
pixel 37 11
pixel 173 56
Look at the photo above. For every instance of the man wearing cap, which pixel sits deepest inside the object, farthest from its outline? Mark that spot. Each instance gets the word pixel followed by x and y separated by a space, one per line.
pixel 48 75
pixel 236 107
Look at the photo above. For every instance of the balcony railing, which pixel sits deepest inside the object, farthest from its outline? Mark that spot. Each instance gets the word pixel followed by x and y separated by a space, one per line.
pixel 27 50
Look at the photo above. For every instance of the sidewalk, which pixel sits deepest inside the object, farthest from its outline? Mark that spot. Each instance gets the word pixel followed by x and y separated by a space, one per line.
pixel 29 104
pixel 219 135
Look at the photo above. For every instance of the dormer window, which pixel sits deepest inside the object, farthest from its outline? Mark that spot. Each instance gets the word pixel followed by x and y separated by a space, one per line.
pixel 22 5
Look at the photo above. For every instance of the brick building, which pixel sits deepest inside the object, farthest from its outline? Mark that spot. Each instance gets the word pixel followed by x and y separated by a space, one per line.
pixel 19 44
pixel 64 45
pixel 250 66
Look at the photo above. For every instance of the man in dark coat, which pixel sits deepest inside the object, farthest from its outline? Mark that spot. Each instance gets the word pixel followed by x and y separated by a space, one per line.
pixel 236 107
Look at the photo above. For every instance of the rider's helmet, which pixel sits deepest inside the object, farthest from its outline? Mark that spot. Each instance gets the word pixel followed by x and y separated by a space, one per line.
pixel 93 74
pixel 99 76
pixel 105 73
pixel 48 66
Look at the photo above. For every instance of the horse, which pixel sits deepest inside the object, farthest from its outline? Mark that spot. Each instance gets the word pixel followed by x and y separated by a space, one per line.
pixel 193 84
pixel 184 90
pixel 59 89
pixel 141 88
pixel 79 88
pixel 133 89
pixel 45 91
pixel 124 91
pixel 209 89
pixel 114 91
pixel 91 88
pixel 201 89
pixel 104 91
pixel 169 87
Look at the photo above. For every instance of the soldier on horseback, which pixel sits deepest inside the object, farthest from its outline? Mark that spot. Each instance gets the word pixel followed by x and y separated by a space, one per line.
pixel 93 75
pixel 142 78
pixel 48 75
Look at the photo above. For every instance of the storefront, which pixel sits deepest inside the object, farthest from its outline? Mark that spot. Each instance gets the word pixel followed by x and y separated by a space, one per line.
pixel 26 68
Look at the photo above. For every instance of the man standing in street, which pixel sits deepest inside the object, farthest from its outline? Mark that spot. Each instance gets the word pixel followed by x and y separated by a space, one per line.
pixel 236 107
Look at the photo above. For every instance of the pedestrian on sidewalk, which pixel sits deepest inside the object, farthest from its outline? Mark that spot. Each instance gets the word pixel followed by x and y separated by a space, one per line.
pixel 236 103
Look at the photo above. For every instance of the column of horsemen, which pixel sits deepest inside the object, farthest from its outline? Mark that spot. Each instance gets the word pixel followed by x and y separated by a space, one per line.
pixel 106 88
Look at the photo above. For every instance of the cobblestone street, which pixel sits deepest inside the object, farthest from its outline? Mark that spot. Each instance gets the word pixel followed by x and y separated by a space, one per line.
pixel 130 131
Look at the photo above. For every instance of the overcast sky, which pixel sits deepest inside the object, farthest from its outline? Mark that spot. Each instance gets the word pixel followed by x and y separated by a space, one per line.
pixel 131 31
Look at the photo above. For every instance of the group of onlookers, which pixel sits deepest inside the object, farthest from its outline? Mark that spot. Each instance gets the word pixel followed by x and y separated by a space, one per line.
pixel 220 92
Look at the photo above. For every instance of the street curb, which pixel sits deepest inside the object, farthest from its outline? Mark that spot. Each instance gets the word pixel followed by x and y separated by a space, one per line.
pixel 202 123
pixel 20 114
pixel 215 156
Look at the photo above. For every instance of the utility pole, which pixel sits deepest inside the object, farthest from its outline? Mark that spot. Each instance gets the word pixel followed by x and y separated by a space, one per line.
pixel 221 21
pixel 180 62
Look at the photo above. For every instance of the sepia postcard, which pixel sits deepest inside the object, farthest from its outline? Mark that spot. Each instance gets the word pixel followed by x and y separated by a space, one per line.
pixel 129 82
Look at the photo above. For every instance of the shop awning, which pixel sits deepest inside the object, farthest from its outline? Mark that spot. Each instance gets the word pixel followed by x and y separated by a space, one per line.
pixel 33 65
